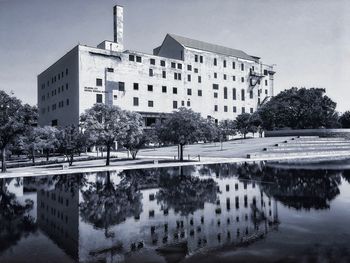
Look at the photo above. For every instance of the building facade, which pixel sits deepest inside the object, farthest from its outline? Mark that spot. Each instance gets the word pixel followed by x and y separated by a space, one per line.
pixel 216 81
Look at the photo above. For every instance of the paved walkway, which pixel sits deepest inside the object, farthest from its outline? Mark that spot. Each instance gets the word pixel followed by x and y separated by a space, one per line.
pixel 233 151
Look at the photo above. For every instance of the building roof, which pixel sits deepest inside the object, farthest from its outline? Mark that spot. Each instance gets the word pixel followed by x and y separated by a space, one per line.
pixel 196 44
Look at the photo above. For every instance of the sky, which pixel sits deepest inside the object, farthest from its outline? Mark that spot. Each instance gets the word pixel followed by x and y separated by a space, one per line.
pixel 308 40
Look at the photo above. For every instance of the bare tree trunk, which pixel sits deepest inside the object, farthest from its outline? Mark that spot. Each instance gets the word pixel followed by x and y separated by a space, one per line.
pixel 3 160
pixel 181 152
pixel 70 159
pixel 33 156
pixel 108 154
pixel 47 155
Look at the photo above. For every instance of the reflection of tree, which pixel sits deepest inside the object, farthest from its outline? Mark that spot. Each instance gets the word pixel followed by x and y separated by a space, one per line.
pixel 186 193
pixel 14 217
pixel 106 204
pixel 301 189
pixel 68 183
pixel 346 175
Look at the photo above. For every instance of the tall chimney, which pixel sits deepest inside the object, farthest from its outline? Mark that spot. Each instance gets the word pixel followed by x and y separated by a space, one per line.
pixel 118 25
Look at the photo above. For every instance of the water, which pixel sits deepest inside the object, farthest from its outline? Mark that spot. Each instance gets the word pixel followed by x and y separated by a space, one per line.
pixel 207 213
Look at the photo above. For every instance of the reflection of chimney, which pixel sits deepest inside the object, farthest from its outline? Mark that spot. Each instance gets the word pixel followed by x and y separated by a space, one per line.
pixel 118 24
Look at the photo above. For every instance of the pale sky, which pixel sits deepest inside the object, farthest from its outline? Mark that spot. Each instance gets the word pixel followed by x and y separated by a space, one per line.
pixel 308 40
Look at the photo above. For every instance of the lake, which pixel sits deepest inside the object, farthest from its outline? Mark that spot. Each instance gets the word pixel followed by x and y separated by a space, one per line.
pixel 250 212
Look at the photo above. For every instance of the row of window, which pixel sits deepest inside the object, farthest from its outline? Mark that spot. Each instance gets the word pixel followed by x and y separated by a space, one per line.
pixel 55 78
pixel 234 109
pixel 53 107
pixel 55 92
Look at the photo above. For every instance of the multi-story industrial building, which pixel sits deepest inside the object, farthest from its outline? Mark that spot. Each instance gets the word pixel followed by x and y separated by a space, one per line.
pixel 216 81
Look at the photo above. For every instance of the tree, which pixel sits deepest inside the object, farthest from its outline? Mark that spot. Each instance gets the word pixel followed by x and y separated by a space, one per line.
pixel 32 142
pixel 345 119
pixel 107 123
pixel 48 139
pixel 135 137
pixel 71 141
pixel 243 124
pixel 181 127
pixel 299 109
pixel 15 119
pixel 256 123
pixel 210 131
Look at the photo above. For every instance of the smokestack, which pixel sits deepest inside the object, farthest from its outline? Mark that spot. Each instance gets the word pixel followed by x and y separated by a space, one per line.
pixel 118 25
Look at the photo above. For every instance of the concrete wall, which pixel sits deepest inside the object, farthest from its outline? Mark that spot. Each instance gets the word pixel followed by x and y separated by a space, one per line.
pixel 58 84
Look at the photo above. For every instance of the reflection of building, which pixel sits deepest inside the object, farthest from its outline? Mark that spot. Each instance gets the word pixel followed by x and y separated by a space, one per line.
pixel 58 217
pixel 216 81
pixel 241 213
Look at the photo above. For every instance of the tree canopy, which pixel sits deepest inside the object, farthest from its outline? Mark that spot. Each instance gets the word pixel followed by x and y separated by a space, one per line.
pixel 299 108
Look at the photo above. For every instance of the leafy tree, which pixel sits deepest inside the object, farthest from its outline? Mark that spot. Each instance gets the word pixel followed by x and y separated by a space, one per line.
pixel 210 131
pixel 181 127
pixel 15 119
pixel 107 124
pixel 299 109
pixel 32 142
pixel 71 141
pixel 345 119
pixel 256 123
pixel 48 139
pixel 135 137
pixel 227 128
pixel 243 124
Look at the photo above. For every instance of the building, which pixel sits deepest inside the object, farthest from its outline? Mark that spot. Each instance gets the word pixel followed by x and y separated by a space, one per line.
pixel 216 81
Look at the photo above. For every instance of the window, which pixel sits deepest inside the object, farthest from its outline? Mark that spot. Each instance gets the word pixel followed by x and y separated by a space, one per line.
pixel 225 77
pixel 189 67
pixel 136 86
pixel 174 90
pixel 234 109
pixel 162 63
pixel 251 110
pixel 177 76
pixel 225 93
pixel 234 96
pixel 179 65
pixel 266 91
pixel 242 94
pixel 98 82
pixel 164 74
pixel 121 86
pixel 136 101
pixel 215 75
pixel 215 86
pixel 200 93
pixel 188 77
pixel 199 79
pixel 215 94
pixel 265 72
pixel 225 108
pixel 150 87
pixel 189 92
pixel 188 103
pixel 201 59
pixel 98 98
pixel 234 78
pixel 59 76
pixel 131 58
pixel 251 94
pixel 150 72
pixel 173 65
pixel 233 65
pixel 66 86
pixel 67 102
pixel 195 70
pixel 174 104
pixel 195 58
pixel 110 69
pixel 242 79
pixel 243 110
pixel 215 107
pixel 182 103
pixel 66 71
pixel 242 66
pixel 265 82
pixel 150 103
pixel 138 59
pixel 215 61
pixel 152 61
pixel 54 123
pixel 115 97
pixel 164 89
pixel 224 62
